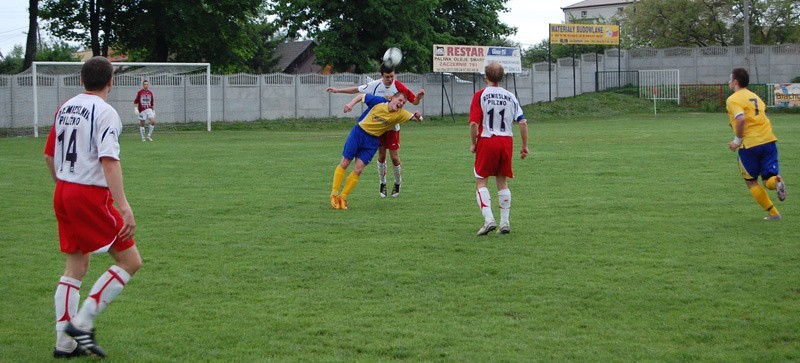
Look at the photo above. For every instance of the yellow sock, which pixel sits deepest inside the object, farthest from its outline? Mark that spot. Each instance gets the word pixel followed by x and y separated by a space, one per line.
pixel 762 198
pixel 338 177
pixel 770 183
pixel 349 184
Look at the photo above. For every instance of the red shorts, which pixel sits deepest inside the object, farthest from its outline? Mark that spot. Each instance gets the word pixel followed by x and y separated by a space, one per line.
pixel 87 219
pixel 390 139
pixel 493 157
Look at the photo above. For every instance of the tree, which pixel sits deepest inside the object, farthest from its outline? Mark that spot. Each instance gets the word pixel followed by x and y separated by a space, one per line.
pixel 58 51
pixel 79 21
pixel 352 35
pixel 664 24
pixel 771 22
pixel 219 32
pixel 33 32
pixel 702 23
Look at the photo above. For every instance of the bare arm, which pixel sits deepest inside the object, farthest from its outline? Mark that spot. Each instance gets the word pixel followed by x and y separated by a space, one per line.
pixel 738 133
pixel 473 136
pixel 353 89
pixel 420 95
pixel 51 165
pixel 349 106
pixel 113 173
pixel 523 133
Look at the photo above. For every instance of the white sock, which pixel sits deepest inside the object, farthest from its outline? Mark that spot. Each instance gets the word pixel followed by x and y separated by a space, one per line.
pixel 67 298
pixel 104 291
pixel 485 204
pixel 504 199
pixel 150 130
pixel 398 179
pixel 382 172
pixel 141 131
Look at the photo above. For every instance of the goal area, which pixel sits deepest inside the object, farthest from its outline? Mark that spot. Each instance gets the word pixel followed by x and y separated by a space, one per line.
pixel 661 84
pixel 182 92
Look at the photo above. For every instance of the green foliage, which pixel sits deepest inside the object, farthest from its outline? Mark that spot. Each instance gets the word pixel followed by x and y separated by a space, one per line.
pixel 225 33
pixel 352 35
pixel 611 257
pixel 58 51
pixel 12 63
pixel 539 53
pixel 664 24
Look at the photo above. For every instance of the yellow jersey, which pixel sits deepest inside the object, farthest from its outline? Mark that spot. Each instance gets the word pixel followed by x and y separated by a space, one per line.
pixel 377 119
pixel 757 128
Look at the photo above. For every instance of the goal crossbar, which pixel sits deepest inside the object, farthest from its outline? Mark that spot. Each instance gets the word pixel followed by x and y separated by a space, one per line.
pixel 128 68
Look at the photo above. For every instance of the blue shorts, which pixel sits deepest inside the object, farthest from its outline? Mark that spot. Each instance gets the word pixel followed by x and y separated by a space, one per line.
pixel 761 160
pixel 360 144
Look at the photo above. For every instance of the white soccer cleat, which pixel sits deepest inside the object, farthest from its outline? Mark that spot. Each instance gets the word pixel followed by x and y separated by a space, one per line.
pixel 487 227
pixel 776 217
pixel 504 229
pixel 149 138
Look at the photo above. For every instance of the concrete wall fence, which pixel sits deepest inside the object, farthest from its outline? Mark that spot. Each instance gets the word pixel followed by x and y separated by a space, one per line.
pixel 249 97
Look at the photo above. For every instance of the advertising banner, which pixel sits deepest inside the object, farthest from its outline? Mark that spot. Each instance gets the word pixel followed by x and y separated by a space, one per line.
pixel 473 58
pixel 598 34
pixel 787 95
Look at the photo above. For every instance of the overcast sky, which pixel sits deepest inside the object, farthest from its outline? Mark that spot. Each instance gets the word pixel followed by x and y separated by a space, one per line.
pixel 530 17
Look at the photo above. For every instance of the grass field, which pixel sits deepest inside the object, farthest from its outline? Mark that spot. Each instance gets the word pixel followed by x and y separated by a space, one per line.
pixel 633 239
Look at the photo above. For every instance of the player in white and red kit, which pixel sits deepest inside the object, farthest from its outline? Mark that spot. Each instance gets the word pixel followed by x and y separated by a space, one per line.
pixel 145 109
pixel 491 114
pixel 386 87
pixel 82 153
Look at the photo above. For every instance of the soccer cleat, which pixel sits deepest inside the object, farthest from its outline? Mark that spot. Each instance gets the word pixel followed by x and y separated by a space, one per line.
pixel 504 229
pixel 149 138
pixel 383 190
pixel 342 203
pixel 335 201
pixel 776 217
pixel 77 352
pixel 396 190
pixel 780 187
pixel 143 140
pixel 487 227
pixel 84 339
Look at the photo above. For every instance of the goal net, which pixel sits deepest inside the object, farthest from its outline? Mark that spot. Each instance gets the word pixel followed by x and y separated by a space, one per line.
pixel 182 95
pixel 662 84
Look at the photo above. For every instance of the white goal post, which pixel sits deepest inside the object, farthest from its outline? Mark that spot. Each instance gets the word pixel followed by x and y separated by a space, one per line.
pixel 172 77
pixel 661 84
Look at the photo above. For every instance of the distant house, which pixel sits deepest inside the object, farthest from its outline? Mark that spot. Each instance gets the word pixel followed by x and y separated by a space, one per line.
pixel 591 11
pixel 84 55
pixel 297 57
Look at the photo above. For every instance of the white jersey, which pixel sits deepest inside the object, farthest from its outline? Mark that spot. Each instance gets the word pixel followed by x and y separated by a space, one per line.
pixel 498 109
pixel 377 88
pixel 86 128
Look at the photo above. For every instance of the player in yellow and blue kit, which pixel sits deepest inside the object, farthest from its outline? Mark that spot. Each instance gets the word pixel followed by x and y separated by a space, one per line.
pixel 381 115
pixel 755 142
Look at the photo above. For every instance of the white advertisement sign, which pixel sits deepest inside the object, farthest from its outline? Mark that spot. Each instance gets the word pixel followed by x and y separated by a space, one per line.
pixel 473 58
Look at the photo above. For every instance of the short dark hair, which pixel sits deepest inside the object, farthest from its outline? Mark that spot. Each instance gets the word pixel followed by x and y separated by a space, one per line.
pixel 96 73
pixel 741 76
pixel 494 72
pixel 386 69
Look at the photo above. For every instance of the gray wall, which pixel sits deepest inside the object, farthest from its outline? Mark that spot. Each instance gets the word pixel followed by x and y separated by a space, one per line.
pixel 248 97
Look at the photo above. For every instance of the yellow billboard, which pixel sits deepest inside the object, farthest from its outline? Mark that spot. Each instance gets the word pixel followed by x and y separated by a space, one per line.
pixel 600 34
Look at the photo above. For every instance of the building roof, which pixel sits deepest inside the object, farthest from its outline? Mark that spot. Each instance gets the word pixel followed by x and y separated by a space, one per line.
pixel 596 3
pixel 289 52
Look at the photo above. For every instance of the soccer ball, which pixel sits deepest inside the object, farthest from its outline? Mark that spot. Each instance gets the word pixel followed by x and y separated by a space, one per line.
pixel 392 57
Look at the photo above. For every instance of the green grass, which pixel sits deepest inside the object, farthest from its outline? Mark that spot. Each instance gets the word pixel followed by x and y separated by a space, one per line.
pixel 633 239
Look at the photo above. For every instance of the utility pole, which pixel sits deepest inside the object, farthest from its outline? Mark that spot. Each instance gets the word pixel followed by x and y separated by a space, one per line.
pixel 747 32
